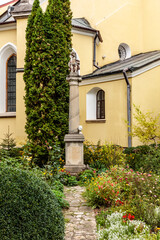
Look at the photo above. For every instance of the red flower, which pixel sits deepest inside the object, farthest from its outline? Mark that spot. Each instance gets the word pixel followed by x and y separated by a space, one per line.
pixel 130 217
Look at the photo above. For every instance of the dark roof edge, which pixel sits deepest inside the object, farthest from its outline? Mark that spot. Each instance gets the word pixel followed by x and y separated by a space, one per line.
pixel 131 69
pixel 91 30
pixel 7 9
pixel 6 23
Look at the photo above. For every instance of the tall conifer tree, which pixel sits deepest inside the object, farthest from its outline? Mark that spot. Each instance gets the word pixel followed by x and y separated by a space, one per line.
pixel 46 67
pixel 58 32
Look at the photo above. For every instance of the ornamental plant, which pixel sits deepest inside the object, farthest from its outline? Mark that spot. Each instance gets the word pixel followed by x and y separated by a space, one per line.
pixel 103 156
pixel 115 228
pixel 122 188
pixel 147 127
pixel 28 207
pixel 48 46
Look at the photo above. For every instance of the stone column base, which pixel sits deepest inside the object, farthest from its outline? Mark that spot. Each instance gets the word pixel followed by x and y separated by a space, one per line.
pixel 74 153
pixel 74 170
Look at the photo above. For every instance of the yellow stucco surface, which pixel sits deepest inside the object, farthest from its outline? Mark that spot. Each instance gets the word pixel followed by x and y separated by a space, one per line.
pixel 145 94
pixel 84 48
pixel 115 114
pixel 8 36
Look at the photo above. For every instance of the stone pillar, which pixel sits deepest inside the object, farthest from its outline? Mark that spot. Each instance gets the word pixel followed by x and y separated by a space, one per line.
pixel 74 140
pixel 74 103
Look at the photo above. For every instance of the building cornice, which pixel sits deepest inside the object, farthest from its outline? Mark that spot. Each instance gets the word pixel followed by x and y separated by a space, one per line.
pixel 7 26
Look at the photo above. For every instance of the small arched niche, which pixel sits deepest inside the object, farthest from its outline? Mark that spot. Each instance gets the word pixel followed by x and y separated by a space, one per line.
pixel 124 51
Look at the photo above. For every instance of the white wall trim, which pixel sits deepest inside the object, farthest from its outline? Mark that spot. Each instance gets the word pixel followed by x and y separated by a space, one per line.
pixel 91 103
pixel 83 32
pixel 5 52
pixel 6 27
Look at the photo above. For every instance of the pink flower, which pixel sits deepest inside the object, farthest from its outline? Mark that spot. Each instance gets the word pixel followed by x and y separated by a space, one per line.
pixel 149 175
pixel 142 179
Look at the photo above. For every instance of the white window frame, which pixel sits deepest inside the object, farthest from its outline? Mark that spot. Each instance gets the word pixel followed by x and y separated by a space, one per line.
pixel 5 52
pixel 91 104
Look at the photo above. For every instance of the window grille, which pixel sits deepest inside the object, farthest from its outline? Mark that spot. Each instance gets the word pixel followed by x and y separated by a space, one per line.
pixel 100 104
pixel 11 84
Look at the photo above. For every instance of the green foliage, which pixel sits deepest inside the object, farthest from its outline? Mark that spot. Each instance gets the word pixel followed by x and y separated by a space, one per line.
pixel 28 207
pixel 46 67
pixel 147 127
pixel 130 191
pixel 8 142
pixel 58 31
pixel 103 156
pixel 66 179
pixel 144 158
pixel 86 176
pixel 60 198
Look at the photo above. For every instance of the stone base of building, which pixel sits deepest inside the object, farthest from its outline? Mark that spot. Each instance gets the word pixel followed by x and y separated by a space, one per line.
pixel 74 153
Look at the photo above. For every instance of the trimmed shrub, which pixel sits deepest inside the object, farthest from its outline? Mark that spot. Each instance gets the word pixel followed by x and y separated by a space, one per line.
pixel 28 208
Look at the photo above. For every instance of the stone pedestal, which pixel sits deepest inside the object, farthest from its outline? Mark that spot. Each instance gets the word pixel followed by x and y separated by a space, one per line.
pixel 74 153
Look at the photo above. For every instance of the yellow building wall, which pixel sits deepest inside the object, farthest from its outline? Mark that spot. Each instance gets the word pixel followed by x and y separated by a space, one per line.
pixel 20 110
pixel 4 124
pixel 118 22
pixel 151 21
pixel 114 130
pixel 146 94
pixel 8 36
pixel 83 45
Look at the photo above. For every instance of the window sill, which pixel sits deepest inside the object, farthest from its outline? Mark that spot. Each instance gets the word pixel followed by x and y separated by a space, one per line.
pixel 96 121
pixel 8 115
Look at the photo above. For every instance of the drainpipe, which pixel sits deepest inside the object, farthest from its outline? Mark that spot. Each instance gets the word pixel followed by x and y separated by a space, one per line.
pixel 94 51
pixel 128 107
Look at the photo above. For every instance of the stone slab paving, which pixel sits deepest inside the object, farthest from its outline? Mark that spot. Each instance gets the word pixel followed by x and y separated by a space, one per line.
pixel 80 219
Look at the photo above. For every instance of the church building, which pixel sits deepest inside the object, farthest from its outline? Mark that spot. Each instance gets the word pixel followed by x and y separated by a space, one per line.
pixel 118 45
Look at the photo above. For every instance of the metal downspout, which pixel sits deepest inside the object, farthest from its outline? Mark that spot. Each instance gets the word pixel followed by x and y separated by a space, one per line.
pixel 128 107
pixel 94 51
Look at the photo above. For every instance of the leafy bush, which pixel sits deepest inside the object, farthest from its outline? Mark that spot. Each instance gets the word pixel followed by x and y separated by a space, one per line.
pixel 103 156
pixel 85 176
pixel 60 198
pixel 28 207
pixel 143 158
pixel 66 179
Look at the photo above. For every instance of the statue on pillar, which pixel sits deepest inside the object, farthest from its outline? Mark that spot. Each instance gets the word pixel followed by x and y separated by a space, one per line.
pixel 74 64
pixel 74 139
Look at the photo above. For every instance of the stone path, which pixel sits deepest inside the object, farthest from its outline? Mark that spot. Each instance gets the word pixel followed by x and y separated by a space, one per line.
pixel 79 218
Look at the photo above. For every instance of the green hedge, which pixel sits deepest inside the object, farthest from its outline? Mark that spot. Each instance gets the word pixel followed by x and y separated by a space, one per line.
pixel 28 208
pixel 144 158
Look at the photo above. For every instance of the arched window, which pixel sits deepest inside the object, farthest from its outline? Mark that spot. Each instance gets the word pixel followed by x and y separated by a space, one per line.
pixel 7 55
pixel 11 84
pixel 95 104
pixel 100 104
